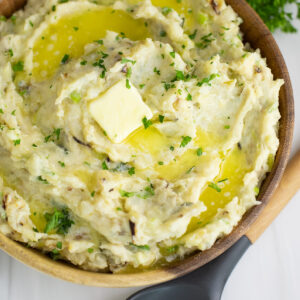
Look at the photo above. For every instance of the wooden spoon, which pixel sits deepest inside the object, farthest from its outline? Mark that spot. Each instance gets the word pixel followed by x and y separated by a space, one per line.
pixel 207 283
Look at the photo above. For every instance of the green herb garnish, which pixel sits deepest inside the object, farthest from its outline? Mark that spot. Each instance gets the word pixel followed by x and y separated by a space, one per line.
pixel 126 194
pixel 62 164
pixel 141 247
pixel 193 35
pixel 128 86
pixel 199 151
pixel 17 142
pixel 166 10
pixel 214 186
pixel 275 15
pixel 75 96
pixel 59 221
pixel 185 141
pixel 161 118
pixel 44 181
pixel 147 123
pixel 208 79
pixel 65 59
pixel 131 171
pixel 173 54
pixel 18 66
pixel 104 166
pixel 126 60
pixel 172 249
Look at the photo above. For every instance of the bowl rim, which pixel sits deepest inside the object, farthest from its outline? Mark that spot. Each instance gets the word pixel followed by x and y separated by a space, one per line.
pixel 71 273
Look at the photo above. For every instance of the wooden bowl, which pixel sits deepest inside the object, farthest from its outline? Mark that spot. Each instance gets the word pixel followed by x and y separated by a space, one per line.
pixel 258 35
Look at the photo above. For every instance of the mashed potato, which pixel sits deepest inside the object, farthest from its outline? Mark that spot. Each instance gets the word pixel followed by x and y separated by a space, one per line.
pixel 131 132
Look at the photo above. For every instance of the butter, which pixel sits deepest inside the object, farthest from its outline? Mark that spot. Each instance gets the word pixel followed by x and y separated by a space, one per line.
pixel 119 111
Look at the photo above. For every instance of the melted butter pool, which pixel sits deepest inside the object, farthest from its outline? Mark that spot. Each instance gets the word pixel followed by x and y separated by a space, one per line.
pixel 151 141
pixel 230 180
pixel 70 34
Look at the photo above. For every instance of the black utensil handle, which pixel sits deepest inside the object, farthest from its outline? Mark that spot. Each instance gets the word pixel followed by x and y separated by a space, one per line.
pixel 205 283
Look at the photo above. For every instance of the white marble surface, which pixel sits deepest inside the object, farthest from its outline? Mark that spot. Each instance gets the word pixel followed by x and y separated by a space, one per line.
pixel 270 270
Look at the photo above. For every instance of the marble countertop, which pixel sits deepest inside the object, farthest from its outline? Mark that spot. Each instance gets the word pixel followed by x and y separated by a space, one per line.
pixel 270 270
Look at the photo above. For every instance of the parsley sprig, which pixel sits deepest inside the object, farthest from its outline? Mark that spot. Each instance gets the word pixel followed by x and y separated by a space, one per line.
pixel 275 15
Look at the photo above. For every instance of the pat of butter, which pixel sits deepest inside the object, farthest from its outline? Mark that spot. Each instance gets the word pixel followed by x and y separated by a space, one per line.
pixel 119 111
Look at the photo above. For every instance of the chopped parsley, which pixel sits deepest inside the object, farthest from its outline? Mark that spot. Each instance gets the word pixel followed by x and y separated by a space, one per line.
pixel 75 96
pixel 199 151
pixel 179 75
pixel 58 222
pixel 13 19
pixel 10 52
pixel 18 66
pixel 214 186
pixel 140 247
pixel 126 194
pixel 173 53
pixel 62 164
pixel 190 170
pixel 205 41
pixel 185 141
pixel 129 72
pixel 168 86
pixel 41 179
pixel 131 171
pixel 104 166
pixel 55 135
pixel 189 97
pixel 223 180
pixel 17 142
pixel 100 42
pixel 207 80
pixel 128 86
pixel 1 111
pixel 163 33
pixel 126 60
pixel 65 59
pixel 147 193
pixel 172 148
pixel 193 35
pixel 161 163
pixel 75 28
pixel 156 71
pixel 147 123
pixel 34 145
pixel 93 194
pixel 83 63
pixel 90 250
pixel 173 249
pixel 59 245
pixel 161 118
pixel 166 10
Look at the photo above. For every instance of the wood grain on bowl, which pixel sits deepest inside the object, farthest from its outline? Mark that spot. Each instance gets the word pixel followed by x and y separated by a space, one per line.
pixel 258 35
